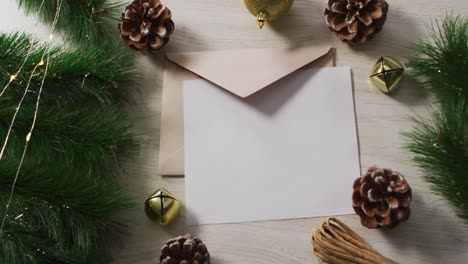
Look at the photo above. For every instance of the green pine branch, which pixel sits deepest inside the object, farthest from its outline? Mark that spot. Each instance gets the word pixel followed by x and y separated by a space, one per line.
pixel 65 204
pixel 88 140
pixel 440 144
pixel 82 21
pixel 57 215
pixel 78 122
pixel 441 61
pixel 97 75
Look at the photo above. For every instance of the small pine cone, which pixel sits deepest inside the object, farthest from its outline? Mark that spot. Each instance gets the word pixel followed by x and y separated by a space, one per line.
pixel 381 197
pixel 184 250
pixel 146 25
pixel 356 21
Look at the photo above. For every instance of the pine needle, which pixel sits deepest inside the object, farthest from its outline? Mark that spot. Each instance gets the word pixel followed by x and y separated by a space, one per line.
pixel 80 124
pixel 58 215
pixel 88 140
pixel 65 201
pixel 88 74
pixel 82 21
pixel 440 144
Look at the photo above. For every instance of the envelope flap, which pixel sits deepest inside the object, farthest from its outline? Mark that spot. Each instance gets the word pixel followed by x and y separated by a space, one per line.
pixel 244 72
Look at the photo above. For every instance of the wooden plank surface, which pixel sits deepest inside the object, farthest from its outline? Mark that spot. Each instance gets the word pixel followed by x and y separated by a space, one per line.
pixel 433 234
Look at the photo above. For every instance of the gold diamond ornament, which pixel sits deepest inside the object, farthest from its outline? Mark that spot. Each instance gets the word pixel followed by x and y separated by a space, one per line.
pixel 162 207
pixel 387 73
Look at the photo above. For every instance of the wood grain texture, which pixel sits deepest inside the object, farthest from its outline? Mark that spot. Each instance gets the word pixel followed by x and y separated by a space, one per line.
pixel 433 234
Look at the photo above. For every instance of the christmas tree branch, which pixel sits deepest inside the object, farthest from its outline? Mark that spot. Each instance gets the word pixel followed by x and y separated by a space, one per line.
pixel 441 61
pixel 79 124
pixel 440 144
pixel 87 74
pixel 63 204
pixel 82 21
pixel 58 214
pixel 82 138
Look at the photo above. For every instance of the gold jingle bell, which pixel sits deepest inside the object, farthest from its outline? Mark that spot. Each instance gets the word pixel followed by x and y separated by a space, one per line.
pixel 387 73
pixel 268 10
pixel 162 207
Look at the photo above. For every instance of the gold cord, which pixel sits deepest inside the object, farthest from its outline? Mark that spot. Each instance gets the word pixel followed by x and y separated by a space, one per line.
pixel 336 243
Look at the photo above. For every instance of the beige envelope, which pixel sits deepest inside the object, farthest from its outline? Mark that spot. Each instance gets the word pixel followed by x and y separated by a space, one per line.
pixel 241 72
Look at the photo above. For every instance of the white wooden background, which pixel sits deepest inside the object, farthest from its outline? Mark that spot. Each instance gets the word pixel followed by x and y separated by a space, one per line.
pixel 433 234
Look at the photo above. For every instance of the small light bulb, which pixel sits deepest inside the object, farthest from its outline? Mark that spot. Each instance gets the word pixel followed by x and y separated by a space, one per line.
pixel 19 216
pixel 12 77
pixel 28 137
pixel 51 37
pixel 40 63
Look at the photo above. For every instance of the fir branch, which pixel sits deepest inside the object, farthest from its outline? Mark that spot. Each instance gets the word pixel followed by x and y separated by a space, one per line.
pixel 440 144
pixel 79 125
pixel 63 205
pixel 88 140
pixel 441 151
pixel 96 74
pixel 82 21
pixel 57 215
pixel 441 61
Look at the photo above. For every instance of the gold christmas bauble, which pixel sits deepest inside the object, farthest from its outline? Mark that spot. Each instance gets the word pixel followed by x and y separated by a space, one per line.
pixel 268 10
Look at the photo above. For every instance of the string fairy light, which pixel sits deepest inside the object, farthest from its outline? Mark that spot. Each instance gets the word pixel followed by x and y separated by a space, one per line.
pixel 84 80
pixel 13 77
pixel 31 45
pixel 46 56
pixel 18 108
pixel 41 63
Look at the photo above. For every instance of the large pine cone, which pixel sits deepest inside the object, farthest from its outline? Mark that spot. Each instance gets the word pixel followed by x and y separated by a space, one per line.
pixel 356 20
pixel 146 25
pixel 184 250
pixel 381 197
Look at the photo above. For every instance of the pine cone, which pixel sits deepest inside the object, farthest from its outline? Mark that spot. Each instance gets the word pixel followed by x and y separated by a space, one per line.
pixel 184 250
pixel 356 20
pixel 146 25
pixel 381 197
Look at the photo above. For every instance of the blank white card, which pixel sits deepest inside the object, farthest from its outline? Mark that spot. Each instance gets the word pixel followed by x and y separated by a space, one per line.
pixel 288 151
